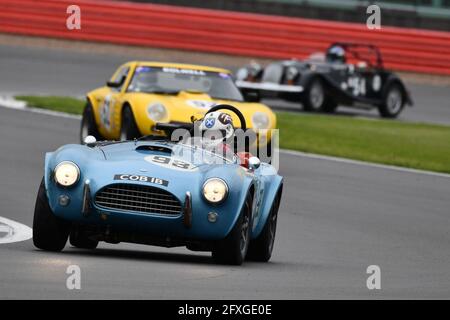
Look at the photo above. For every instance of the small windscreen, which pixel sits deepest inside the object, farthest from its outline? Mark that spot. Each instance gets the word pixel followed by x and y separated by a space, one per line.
pixel 172 80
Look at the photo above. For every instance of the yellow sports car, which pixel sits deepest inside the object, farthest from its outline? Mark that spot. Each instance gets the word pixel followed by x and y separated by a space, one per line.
pixel 141 94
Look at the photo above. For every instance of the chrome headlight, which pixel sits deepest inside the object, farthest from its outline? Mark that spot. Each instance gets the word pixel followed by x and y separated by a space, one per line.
pixel 215 190
pixel 157 111
pixel 260 120
pixel 67 174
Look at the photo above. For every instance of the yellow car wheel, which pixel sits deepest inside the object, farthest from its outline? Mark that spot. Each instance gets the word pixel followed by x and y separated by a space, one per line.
pixel 128 128
pixel 88 125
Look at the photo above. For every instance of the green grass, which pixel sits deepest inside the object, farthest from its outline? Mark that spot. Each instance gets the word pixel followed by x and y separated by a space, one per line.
pixel 63 104
pixel 413 145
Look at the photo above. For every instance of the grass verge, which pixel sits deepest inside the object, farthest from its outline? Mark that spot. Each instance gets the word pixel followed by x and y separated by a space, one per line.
pixel 55 103
pixel 412 145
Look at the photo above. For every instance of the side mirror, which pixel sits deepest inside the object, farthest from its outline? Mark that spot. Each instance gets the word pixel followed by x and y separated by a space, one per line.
pixel 254 163
pixel 251 96
pixel 113 84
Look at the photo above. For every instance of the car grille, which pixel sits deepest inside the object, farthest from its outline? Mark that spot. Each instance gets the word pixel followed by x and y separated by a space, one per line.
pixel 138 198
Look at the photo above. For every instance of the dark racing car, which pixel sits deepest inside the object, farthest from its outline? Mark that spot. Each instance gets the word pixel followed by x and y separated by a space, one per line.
pixel 348 74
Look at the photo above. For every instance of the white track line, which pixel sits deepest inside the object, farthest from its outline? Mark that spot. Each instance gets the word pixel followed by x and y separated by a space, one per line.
pixel 20 232
pixel 11 103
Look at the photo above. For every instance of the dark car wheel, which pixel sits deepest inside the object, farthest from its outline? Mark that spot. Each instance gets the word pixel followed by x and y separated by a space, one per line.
pixel 261 248
pixel 49 232
pixel 88 125
pixel 393 102
pixel 79 239
pixel 329 106
pixel 128 129
pixel 314 97
pixel 233 249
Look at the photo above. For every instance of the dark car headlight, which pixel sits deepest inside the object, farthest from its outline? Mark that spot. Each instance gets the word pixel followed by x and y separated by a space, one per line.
pixel 67 173
pixel 215 190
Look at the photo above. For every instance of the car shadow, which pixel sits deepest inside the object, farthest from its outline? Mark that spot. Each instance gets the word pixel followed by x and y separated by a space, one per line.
pixel 140 255
pixel 152 256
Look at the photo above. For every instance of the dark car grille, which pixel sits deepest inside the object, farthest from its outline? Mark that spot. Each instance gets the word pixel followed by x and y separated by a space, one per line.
pixel 138 198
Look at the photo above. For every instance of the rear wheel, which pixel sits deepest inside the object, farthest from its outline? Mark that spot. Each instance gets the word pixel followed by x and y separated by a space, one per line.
pixel 393 102
pixel 233 249
pixel 79 239
pixel 49 232
pixel 88 125
pixel 128 129
pixel 261 248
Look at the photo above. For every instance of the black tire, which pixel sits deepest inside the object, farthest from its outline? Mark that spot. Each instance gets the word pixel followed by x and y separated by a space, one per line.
pixel 314 96
pixel 49 232
pixel 128 128
pixel 261 248
pixel 88 126
pixel 233 249
pixel 330 106
pixel 79 239
pixel 393 102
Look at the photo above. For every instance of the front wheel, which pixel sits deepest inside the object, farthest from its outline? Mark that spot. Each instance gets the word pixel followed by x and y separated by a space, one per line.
pixel 233 249
pixel 49 232
pixel 261 248
pixel 314 97
pixel 393 102
pixel 88 125
pixel 128 129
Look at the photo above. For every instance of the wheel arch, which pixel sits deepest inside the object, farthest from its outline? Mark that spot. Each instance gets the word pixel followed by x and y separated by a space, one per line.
pixel 247 188
pixel 394 80
pixel 274 189
pixel 90 99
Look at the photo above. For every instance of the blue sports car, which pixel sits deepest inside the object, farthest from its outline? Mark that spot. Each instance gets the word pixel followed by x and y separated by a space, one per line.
pixel 158 192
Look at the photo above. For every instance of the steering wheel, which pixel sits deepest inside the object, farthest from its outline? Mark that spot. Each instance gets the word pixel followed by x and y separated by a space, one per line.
pixel 231 108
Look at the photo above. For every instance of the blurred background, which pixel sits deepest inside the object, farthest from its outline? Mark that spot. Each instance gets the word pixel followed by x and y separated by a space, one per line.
pixel 427 14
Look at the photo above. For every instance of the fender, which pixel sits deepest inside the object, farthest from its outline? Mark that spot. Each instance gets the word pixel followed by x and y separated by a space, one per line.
pixel 139 111
pixel 276 186
pixel 247 185
pixel 79 154
pixel 391 79
pixel 47 172
pixel 95 108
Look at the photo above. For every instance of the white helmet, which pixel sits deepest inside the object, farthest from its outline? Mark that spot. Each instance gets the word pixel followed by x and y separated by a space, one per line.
pixel 216 128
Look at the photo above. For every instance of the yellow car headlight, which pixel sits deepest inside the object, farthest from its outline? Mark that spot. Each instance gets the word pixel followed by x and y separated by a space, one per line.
pixel 215 190
pixel 260 121
pixel 67 174
pixel 157 111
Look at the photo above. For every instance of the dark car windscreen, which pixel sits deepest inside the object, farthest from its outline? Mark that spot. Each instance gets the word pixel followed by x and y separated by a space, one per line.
pixel 173 80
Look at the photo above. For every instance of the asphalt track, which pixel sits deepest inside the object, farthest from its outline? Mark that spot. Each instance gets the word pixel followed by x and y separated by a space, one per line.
pixel 336 219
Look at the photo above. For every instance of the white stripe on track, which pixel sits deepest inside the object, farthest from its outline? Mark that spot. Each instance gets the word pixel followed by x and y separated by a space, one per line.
pixel 20 232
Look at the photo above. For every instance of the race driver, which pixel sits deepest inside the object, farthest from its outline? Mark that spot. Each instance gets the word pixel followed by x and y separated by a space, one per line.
pixel 217 132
